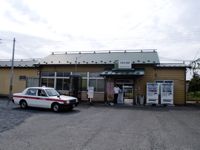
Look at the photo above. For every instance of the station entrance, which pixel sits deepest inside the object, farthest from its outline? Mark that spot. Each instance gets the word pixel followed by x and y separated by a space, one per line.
pixel 127 92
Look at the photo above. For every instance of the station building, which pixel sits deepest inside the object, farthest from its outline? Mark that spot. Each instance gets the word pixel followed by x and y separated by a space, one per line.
pixel 23 70
pixel 72 74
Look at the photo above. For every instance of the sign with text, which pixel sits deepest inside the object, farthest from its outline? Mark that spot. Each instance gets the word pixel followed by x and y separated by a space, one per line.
pixel 90 92
pixel 124 64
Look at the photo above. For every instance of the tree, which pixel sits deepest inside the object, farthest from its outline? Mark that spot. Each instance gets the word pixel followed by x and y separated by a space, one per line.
pixel 194 84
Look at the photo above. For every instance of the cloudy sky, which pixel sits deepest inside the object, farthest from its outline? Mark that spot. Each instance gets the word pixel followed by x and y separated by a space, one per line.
pixel 43 26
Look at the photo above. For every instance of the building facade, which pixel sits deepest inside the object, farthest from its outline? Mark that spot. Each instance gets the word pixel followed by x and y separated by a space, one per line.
pixel 25 72
pixel 73 73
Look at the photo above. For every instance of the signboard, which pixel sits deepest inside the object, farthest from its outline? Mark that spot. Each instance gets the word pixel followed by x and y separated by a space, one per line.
pixel 152 93
pixel 90 92
pixel 167 93
pixel 124 64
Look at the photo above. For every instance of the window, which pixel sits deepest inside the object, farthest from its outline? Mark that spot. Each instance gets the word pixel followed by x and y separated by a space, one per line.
pixel 62 84
pixel 84 84
pixel 59 84
pixel 41 93
pixel 82 74
pixel 98 84
pixel 95 74
pixel 31 92
pixel 48 74
pixel 44 82
pixel 63 74
pixel 66 84
pixel 62 80
pixel 52 92
pixel 93 83
pixel 50 82
pixel 22 77
pixel 47 82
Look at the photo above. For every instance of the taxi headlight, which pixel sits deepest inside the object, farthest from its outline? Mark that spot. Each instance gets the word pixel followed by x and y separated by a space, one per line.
pixel 66 102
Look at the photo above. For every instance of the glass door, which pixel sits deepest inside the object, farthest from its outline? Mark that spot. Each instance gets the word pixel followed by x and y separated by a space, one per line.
pixel 128 94
pixel 75 86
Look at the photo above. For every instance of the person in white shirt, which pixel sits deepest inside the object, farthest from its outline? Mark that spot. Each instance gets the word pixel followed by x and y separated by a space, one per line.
pixel 120 99
pixel 116 92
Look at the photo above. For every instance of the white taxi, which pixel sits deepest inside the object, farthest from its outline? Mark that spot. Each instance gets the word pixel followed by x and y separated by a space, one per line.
pixel 44 97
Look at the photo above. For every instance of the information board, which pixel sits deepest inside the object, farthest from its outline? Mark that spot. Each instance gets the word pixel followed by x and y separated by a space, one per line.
pixel 124 64
pixel 167 93
pixel 152 93
pixel 90 92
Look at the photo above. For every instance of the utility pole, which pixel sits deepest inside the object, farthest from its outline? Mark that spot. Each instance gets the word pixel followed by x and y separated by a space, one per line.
pixel 12 72
pixel 76 65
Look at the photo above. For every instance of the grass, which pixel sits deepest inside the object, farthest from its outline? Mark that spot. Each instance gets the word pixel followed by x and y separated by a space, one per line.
pixel 193 96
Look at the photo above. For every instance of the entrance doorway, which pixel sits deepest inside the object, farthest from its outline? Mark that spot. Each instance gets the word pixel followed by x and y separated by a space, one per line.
pixel 127 88
pixel 128 94
pixel 75 86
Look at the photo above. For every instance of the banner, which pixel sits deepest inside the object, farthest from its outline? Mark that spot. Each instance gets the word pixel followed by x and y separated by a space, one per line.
pixel 90 92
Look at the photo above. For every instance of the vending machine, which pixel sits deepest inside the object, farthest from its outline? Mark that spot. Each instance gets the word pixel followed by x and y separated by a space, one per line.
pixel 152 93
pixel 167 93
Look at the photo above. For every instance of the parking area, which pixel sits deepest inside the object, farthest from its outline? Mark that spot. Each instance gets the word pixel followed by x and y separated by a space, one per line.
pixel 100 127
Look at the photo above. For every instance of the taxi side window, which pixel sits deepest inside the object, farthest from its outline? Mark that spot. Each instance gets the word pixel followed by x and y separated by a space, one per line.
pixel 41 93
pixel 31 92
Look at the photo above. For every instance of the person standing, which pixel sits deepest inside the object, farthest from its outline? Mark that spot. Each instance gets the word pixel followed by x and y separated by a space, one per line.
pixel 116 92
pixel 120 99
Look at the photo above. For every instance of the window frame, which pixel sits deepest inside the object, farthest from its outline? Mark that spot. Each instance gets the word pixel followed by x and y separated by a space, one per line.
pixel 29 91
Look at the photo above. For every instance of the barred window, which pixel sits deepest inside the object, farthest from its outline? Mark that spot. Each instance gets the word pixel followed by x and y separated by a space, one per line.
pixel 62 84
pixel 47 82
pixel 98 84
pixel 84 84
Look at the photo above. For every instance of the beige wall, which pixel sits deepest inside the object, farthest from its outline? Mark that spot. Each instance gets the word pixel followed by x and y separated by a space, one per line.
pixel 18 85
pixel 178 76
pixel 140 82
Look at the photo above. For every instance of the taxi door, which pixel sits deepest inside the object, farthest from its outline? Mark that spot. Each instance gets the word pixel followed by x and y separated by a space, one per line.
pixel 43 100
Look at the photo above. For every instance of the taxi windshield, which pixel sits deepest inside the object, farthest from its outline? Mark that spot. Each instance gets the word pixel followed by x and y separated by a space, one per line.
pixel 52 92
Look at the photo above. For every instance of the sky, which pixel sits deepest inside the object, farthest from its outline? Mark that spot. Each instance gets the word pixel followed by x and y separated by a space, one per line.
pixel 41 27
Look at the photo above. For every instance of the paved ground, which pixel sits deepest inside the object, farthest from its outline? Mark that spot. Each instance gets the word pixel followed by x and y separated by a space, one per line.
pixel 100 127
pixel 11 116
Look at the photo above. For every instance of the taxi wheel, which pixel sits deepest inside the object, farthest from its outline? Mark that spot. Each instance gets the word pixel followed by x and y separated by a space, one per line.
pixel 55 107
pixel 23 104
pixel 70 108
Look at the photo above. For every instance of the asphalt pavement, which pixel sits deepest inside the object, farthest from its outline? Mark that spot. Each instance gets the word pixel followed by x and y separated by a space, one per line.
pixel 100 127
